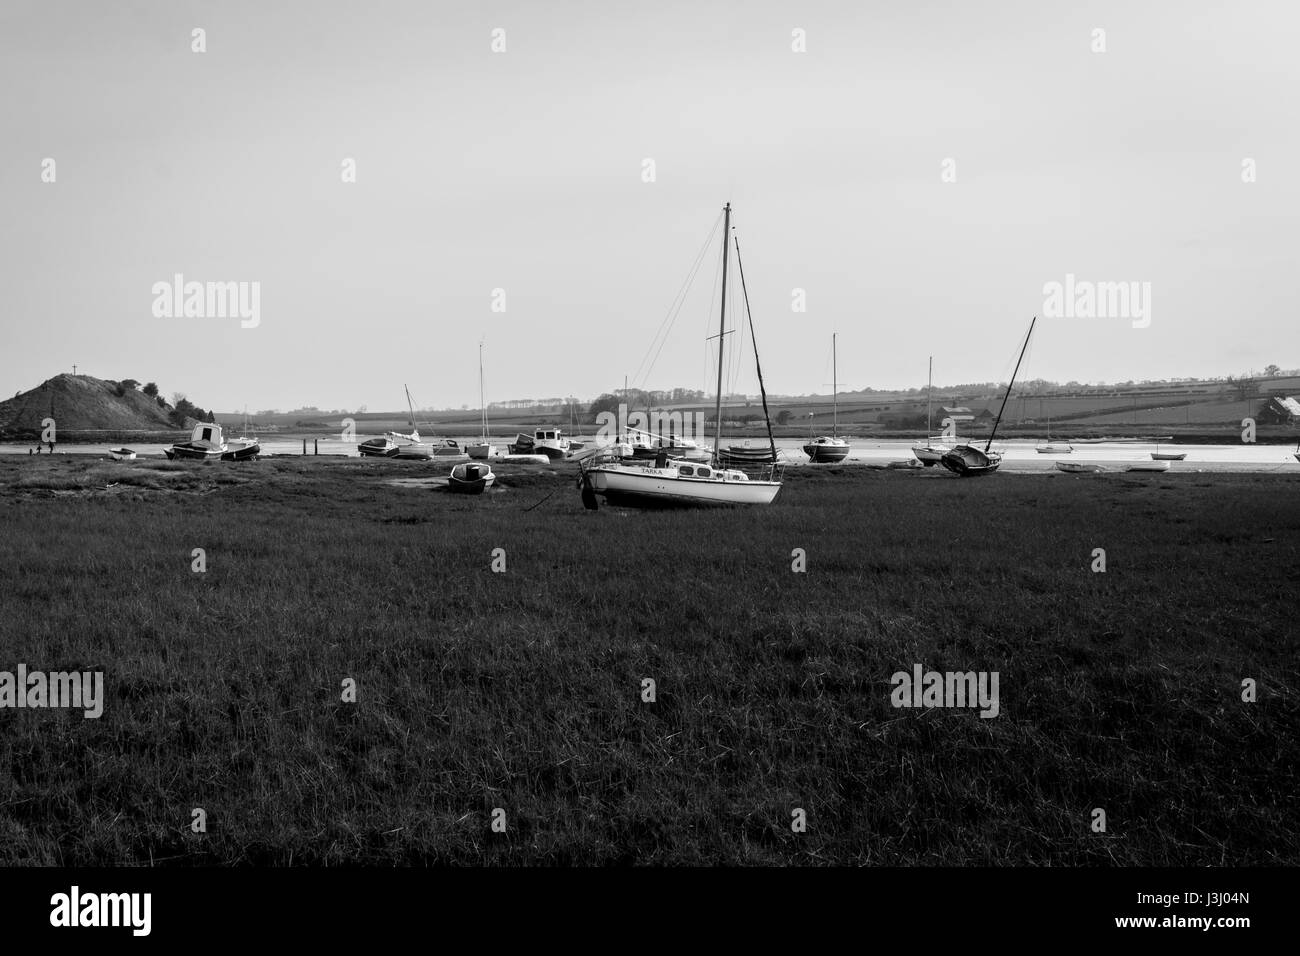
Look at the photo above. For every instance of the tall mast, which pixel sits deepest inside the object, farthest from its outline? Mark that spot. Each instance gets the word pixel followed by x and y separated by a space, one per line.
pixel 722 327
pixel 835 390
pixel 929 389
pixel 997 421
pixel 481 406
pixel 410 410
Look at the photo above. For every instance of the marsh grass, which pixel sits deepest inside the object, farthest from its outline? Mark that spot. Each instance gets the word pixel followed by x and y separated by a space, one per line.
pixel 522 690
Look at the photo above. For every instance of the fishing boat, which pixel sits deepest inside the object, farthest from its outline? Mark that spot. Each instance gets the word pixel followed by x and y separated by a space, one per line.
pixel 470 478
pixel 205 444
pixel 967 461
pixel 620 480
pixel 545 440
pixel 483 448
pixel 935 447
pixel 829 448
pixel 121 454
pixel 1158 455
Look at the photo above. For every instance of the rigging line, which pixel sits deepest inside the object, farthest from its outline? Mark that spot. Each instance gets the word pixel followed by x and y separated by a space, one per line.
pixel 675 307
pixel 740 268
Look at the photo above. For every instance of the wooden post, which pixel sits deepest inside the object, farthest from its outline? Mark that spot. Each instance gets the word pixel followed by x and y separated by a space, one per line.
pixel 315 444
pixel 304 446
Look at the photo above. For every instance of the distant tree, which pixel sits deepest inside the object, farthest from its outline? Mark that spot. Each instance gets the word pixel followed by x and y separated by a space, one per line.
pixel 1272 370
pixel 605 403
pixel 129 383
pixel 783 416
pixel 151 390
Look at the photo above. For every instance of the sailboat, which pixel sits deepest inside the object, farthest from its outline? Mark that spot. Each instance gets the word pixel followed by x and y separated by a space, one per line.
pixel 829 447
pixel 968 461
pixel 484 448
pixel 1050 447
pixel 936 447
pixel 667 481
pixel 242 448
pixel 1158 455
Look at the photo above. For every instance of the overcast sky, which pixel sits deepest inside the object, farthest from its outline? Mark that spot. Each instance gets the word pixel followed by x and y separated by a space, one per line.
pixel 523 171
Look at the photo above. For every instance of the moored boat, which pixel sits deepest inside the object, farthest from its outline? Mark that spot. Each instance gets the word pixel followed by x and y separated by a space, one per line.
pixel 470 478
pixel 378 448
pixel 666 482
pixel 931 453
pixel 967 461
pixel 1078 467
pixel 206 444
pixel 121 454
pixel 1148 466
pixel 1159 455
pixel 483 448
pixel 830 448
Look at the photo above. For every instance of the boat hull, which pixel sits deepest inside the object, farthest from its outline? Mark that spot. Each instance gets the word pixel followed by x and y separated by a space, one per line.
pixel 1167 456
pixel 1149 466
pixel 820 453
pixel 967 461
pixel 665 487
pixel 190 452
pixel 481 451
pixel 469 479
pixel 1078 467
pixel 245 453
pixel 121 454
pixel 1054 449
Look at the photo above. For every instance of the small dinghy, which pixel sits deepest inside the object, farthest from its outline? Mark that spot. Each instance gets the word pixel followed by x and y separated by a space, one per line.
pixel 1149 466
pixel 1078 467
pixel 1159 455
pixel 471 478
pixel 122 454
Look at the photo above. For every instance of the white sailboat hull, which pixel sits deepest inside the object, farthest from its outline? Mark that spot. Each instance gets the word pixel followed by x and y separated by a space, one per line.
pixel 668 486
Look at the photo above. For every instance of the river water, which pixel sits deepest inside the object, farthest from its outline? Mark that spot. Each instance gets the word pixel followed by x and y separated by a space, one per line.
pixel 1018 456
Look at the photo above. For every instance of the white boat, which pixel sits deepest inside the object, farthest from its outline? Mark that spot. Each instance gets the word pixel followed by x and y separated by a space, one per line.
pixel 121 454
pixel 1158 455
pixel 242 448
pixel 550 442
pixel 206 444
pixel 484 448
pixel 620 480
pixel 967 461
pixel 829 448
pixel 411 446
pixel 1050 447
pixel 1079 467
pixel 935 447
pixel 470 478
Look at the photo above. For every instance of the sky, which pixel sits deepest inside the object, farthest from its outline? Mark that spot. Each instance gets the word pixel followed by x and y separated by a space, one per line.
pixel 921 171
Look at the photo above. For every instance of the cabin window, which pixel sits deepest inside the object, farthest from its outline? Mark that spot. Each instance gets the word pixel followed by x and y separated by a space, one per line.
pixel 207 434
pixel 686 471
pixel 703 472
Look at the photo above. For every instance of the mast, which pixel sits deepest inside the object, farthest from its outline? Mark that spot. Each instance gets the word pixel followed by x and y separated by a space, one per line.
pixel 929 388
pixel 722 328
pixel 997 421
pixel 481 406
pixel 835 390
pixel 411 413
pixel 740 267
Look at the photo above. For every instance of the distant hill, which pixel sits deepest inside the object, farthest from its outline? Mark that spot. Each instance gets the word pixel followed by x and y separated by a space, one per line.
pixel 85 403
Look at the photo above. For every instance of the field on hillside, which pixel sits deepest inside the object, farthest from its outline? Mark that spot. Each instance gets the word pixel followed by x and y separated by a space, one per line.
pixel 523 690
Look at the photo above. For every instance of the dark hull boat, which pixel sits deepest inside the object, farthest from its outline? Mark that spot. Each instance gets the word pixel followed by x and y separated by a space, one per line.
pixel 205 444
pixel 245 452
pixel 470 479
pixel 824 450
pixel 969 461
pixel 377 448
pixel 739 456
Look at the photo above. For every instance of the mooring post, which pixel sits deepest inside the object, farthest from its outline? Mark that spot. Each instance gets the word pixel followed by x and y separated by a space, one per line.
pixel 315 446
pixel 304 446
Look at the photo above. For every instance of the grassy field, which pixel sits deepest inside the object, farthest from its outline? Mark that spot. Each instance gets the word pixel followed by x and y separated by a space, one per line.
pixel 522 690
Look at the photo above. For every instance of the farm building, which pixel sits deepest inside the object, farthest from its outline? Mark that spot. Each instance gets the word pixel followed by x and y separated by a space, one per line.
pixel 958 413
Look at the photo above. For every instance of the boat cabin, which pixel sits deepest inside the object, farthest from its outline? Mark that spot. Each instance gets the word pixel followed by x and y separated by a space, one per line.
pixel 209 432
pixel 548 434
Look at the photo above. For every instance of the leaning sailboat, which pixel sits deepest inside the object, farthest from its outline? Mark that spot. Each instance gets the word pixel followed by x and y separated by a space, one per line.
pixel 967 460
pixel 668 481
